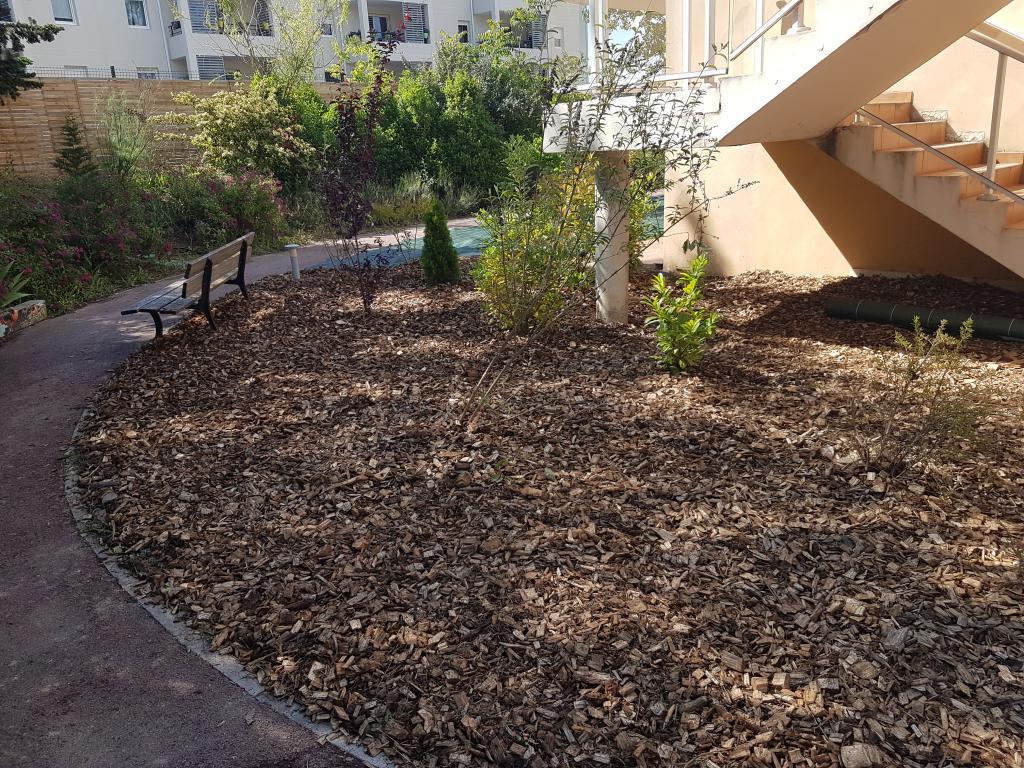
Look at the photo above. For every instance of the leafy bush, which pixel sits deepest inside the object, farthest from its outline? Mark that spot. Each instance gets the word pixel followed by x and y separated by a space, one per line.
pixel 245 129
pixel 468 147
pixel 540 240
pixel 439 259
pixel 205 209
pixel 108 220
pixel 682 327
pixel 919 401
pixel 66 261
pixel 12 282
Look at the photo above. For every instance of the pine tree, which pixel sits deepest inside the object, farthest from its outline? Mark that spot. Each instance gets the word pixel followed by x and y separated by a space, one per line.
pixel 439 259
pixel 74 158
pixel 14 74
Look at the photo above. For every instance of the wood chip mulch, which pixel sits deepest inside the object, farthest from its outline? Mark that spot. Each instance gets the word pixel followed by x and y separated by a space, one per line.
pixel 618 567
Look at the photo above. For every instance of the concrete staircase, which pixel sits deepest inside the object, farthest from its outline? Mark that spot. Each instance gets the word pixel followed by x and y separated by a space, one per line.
pixel 928 184
pixel 810 81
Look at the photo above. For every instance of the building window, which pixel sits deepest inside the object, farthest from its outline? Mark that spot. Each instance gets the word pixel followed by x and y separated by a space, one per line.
pixel 328 29
pixel 6 11
pixel 136 10
pixel 557 36
pixel 148 73
pixel 463 33
pixel 379 27
pixel 63 11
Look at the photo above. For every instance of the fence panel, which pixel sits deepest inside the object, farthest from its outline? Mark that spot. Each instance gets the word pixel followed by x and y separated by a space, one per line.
pixel 30 126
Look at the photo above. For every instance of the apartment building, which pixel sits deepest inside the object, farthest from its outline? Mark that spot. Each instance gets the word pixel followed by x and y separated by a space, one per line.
pixel 184 38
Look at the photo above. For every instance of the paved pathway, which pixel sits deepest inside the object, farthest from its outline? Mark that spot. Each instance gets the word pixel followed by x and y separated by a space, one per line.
pixel 87 677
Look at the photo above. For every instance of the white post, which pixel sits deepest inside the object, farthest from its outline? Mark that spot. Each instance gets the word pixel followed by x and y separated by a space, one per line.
pixel 495 14
pixel 364 19
pixel 997 121
pixel 293 257
pixel 611 221
pixel 687 35
pixel 709 33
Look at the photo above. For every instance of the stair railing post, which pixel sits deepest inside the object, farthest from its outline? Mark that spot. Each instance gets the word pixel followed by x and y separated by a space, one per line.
pixel 758 21
pixel 709 33
pixel 997 121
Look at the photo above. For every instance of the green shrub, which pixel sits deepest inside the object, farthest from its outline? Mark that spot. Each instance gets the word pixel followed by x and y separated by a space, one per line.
pixel 245 129
pixel 439 259
pixel 682 327
pixel 540 243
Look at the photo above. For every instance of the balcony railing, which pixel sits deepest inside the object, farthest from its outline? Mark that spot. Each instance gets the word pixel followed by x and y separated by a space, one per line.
pixel 400 36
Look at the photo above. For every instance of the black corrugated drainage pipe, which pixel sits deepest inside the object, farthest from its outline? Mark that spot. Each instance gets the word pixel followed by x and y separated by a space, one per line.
pixel 987 326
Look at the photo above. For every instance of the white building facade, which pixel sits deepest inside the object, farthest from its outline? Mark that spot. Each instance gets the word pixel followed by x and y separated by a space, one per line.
pixel 181 39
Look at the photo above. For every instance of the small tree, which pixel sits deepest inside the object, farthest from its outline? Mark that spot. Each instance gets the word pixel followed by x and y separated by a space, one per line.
pixel 439 259
pixel 74 158
pixel 14 74
pixel 920 401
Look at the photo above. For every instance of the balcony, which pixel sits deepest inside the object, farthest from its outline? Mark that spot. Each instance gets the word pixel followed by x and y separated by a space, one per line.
pixel 398 22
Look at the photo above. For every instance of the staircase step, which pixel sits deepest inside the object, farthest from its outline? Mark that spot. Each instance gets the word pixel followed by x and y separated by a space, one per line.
pixel 967 152
pixel 1007 174
pixel 929 131
pixel 892 111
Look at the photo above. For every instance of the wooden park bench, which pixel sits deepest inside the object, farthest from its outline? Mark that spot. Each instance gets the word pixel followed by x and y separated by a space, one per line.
pixel 192 292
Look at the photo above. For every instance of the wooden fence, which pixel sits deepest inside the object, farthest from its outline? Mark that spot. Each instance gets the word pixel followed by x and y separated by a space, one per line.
pixel 30 126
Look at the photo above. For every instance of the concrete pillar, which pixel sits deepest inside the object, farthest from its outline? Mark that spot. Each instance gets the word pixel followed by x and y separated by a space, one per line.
pixel 364 19
pixel 611 221
pixel 495 13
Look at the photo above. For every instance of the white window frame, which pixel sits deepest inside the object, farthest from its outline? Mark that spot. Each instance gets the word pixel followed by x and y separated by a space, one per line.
pixel 327 29
pixel 73 21
pixel 10 7
pixel 145 12
pixel 469 30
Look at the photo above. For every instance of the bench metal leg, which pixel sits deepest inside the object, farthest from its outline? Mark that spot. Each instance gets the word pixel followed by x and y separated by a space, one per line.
pixel 158 322
pixel 209 317
pixel 240 282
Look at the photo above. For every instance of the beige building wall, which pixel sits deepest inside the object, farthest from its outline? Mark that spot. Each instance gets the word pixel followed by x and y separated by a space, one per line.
pixel 808 214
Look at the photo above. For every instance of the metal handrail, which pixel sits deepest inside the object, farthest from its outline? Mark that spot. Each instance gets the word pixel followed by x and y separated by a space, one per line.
pixel 763 30
pixel 733 52
pixel 979 36
pixel 989 183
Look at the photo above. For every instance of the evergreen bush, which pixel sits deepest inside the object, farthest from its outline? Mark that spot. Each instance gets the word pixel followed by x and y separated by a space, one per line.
pixel 439 260
pixel 74 158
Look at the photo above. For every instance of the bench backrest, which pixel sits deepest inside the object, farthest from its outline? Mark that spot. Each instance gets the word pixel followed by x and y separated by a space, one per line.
pixel 216 267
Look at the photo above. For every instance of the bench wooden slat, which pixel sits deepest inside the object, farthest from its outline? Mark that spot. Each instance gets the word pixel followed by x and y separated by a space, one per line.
pixel 202 275
pixel 158 300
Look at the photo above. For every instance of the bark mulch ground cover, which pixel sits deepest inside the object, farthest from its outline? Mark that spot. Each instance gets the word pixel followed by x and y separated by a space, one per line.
pixel 616 567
